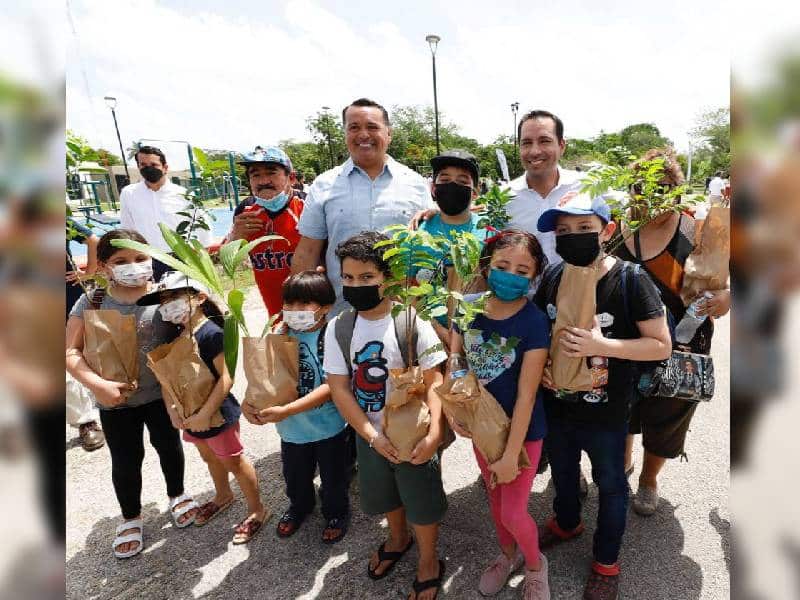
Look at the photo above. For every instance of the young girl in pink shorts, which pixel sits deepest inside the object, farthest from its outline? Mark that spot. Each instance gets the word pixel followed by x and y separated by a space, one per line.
pixel 185 302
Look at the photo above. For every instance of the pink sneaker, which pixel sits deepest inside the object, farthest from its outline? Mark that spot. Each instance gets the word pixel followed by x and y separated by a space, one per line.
pixel 496 574
pixel 536 586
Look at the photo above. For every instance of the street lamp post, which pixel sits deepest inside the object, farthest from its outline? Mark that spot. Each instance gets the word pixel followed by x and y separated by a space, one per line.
pixel 111 102
pixel 433 41
pixel 514 109
pixel 328 133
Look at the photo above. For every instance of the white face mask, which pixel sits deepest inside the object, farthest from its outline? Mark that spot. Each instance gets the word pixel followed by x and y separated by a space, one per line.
pixel 175 311
pixel 133 274
pixel 300 320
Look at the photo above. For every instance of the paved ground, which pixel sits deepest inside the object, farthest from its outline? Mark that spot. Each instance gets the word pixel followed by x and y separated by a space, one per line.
pixel 682 552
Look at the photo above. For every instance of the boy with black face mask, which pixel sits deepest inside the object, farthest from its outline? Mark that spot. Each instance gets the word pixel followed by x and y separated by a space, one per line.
pixel 456 176
pixel 629 325
pixel 361 346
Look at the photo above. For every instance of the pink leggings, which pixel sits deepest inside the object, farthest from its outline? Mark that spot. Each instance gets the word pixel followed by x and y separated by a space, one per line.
pixel 509 505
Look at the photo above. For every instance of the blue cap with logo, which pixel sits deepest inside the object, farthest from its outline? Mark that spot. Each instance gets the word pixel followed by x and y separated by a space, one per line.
pixel 574 203
pixel 270 154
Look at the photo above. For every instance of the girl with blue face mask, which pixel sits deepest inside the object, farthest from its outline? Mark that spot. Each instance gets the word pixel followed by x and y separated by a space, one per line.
pixel 507 349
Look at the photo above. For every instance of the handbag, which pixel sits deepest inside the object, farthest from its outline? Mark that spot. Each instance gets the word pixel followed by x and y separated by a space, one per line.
pixel 684 375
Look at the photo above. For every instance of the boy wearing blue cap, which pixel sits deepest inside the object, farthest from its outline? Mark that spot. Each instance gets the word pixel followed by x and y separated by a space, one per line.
pixel 629 325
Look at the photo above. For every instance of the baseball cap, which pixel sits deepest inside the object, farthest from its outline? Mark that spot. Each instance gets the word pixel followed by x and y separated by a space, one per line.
pixel 456 158
pixel 270 154
pixel 574 204
pixel 172 281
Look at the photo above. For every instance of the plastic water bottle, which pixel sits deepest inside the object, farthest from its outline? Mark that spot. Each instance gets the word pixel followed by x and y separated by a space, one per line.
pixel 691 321
pixel 457 366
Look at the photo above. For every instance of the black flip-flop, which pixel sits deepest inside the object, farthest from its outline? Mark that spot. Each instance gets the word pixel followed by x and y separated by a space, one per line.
pixel 421 586
pixel 340 523
pixel 289 517
pixel 383 556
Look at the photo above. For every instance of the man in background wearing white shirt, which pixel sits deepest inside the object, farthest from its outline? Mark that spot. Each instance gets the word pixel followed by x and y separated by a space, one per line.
pixel 544 183
pixel 155 200
pixel 715 187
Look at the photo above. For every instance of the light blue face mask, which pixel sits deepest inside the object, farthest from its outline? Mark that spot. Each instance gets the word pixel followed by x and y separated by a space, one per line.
pixel 508 286
pixel 273 204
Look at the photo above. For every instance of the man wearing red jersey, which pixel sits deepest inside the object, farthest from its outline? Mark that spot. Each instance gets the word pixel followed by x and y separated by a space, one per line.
pixel 273 208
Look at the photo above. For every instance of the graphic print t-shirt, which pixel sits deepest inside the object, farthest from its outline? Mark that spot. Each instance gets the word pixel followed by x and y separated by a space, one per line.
pixel 495 350
pixel 375 350
pixel 319 423
pixel 608 404
pixel 272 261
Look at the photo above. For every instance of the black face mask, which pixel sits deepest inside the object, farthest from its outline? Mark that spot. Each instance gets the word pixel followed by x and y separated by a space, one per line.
pixel 453 198
pixel 363 297
pixel 579 249
pixel 151 174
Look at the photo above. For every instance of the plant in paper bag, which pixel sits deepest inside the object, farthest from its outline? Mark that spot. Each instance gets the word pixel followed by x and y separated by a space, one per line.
pixel 192 259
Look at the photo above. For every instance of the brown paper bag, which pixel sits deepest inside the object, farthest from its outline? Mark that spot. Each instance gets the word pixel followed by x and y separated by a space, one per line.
pixel 576 304
pixel 470 404
pixel 184 377
pixel 406 417
pixel 271 367
pixel 110 346
pixel 706 267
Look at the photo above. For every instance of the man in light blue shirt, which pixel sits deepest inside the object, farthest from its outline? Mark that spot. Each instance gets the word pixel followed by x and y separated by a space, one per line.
pixel 369 192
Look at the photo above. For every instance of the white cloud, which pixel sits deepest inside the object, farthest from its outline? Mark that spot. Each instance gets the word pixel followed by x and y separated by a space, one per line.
pixel 231 81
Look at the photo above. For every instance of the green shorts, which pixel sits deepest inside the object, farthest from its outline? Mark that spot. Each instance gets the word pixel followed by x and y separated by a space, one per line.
pixel 385 487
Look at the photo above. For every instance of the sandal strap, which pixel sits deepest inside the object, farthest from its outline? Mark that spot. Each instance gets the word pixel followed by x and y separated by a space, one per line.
pixel 179 512
pixel 134 524
pixel 383 554
pixel 248 526
pixel 124 539
pixel 182 498
pixel 436 582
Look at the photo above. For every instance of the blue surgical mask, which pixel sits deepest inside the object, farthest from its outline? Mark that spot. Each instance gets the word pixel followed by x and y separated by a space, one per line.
pixel 508 286
pixel 273 204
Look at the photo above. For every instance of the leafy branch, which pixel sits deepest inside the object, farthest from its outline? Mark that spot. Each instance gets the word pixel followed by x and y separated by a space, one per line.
pixel 493 211
pixel 635 193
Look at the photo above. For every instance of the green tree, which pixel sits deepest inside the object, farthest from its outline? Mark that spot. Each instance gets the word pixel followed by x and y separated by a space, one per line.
pixel 639 138
pixel 712 143
pixel 328 136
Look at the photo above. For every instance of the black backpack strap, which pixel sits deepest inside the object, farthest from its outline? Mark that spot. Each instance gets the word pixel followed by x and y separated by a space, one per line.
pixel 552 281
pixel 630 289
pixel 98 295
pixel 344 327
pixel 321 343
pixel 405 322
pixel 637 244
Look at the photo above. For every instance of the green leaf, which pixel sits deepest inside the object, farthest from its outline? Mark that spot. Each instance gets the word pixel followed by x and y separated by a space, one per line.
pixel 179 246
pixel 207 266
pixel 227 256
pixel 249 246
pixel 397 309
pixel 235 303
pixel 230 343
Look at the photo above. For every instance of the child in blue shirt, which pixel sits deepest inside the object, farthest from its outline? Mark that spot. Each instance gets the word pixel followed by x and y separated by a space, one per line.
pixel 456 174
pixel 312 431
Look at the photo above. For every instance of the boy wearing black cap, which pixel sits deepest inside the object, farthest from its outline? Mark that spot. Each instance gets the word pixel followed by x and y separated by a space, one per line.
pixel 629 325
pixel 456 177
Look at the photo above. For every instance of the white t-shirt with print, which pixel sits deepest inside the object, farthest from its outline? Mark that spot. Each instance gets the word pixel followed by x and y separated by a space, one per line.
pixel 374 350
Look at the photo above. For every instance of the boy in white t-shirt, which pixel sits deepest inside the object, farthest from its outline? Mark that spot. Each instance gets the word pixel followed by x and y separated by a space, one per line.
pixel 405 492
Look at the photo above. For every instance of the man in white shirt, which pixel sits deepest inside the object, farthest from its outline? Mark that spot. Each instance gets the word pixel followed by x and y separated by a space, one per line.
pixel 544 183
pixel 715 187
pixel 155 200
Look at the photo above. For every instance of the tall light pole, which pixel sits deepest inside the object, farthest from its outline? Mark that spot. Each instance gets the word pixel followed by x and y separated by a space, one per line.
pixel 514 109
pixel 111 103
pixel 328 132
pixel 433 41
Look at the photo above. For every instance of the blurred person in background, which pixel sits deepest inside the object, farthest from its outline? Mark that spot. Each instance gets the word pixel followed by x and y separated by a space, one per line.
pixel 662 246
pixel 31 340
pixel 81 412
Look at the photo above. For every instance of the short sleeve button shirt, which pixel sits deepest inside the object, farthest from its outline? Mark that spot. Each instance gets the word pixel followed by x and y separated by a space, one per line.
pixel 345 201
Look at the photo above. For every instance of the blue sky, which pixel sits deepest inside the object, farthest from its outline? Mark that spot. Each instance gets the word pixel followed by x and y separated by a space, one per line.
pixel 234 74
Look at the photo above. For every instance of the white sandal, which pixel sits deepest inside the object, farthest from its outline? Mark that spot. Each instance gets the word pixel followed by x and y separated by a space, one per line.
pixel 177 513
pixel 130 537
